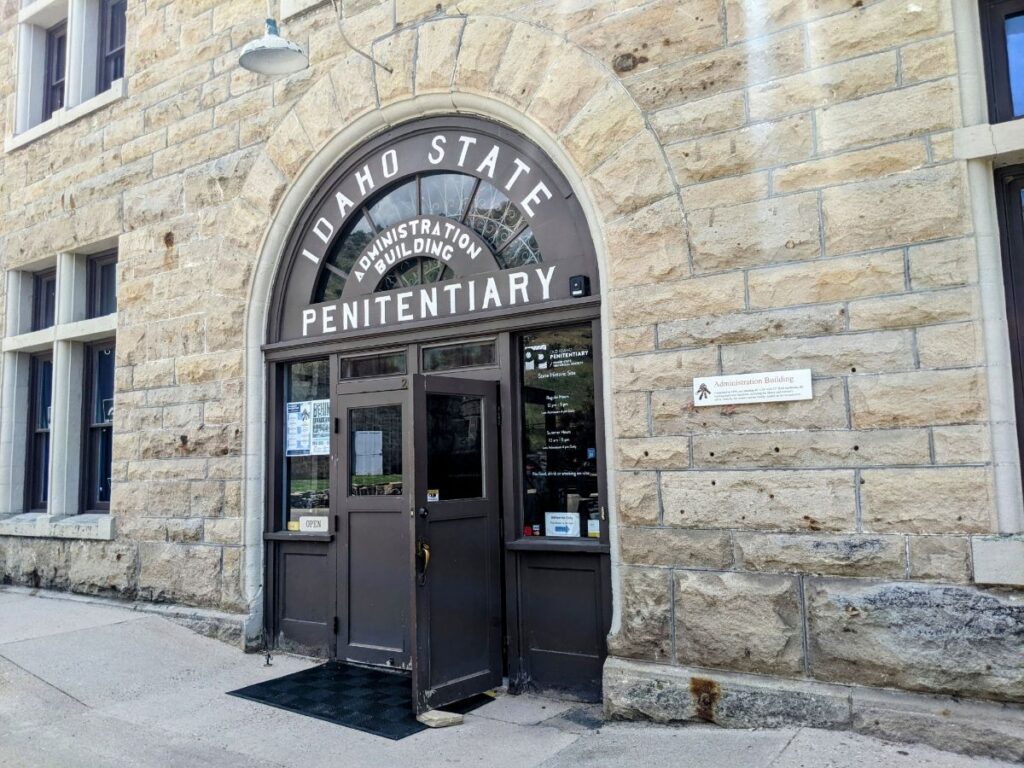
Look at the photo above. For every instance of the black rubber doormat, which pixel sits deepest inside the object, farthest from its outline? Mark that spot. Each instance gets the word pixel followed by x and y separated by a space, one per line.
pixel 366 699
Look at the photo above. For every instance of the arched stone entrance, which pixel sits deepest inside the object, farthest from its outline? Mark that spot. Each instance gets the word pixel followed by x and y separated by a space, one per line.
pixel 433 395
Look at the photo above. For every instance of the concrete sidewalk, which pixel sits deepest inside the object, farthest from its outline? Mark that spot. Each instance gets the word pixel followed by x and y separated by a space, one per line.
pixel 88 684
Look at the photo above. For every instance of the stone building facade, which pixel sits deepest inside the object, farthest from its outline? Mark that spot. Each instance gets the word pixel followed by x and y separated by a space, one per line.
pixel 770 185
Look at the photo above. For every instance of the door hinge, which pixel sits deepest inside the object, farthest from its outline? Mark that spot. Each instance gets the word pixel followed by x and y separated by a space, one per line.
pixel 334 625
pixel 499 414
pixel 337 425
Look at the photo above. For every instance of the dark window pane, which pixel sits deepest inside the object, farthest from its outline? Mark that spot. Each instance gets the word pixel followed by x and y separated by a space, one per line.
pixel 1015 59
pixel 43 393
pixel 56 48
pixel 102 286
pixel 99 397
pixel 100 463
pixel 454 447
pixel 44 301
pixel 387 364
pixel 445 194
pixel 395 206
pixel 559 434
pixel 306 473
pixel 103 394
pixel 38 469
pixel 451 356
pixel 375 451
pixel 41 471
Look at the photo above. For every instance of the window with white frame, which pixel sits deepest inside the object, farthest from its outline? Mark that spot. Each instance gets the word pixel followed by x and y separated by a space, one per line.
pixel 69 52
pixel 57 401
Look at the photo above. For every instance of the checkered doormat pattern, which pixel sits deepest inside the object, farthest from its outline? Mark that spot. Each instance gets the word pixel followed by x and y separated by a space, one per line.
pixel 371 700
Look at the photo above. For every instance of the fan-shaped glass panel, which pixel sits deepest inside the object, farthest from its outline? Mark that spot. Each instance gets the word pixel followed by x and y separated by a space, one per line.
pixel 453 195
pixel 417 271
pixel 523 250
pixel 341 258
pixel 445 194
pixel 495 218
pixel 398 205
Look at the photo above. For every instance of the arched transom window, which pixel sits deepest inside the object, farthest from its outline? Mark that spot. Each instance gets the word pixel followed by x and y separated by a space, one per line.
pixel 436 220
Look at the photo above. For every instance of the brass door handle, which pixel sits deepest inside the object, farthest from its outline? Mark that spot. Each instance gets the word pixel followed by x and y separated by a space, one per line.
pixel 423 552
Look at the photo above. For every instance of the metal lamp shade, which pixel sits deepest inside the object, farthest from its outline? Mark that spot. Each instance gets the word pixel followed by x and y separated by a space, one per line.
pixel 272 54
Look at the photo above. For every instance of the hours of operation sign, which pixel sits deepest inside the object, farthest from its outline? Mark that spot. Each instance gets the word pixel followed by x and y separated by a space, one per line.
pixel 768 387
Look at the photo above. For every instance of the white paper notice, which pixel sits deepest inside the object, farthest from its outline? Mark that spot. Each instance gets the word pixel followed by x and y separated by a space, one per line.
pixel 320 439
pixel 298 428
pixel 561 524
pixel 308 428
pixel 769 387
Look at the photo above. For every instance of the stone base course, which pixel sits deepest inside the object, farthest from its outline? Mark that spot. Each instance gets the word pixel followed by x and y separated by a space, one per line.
pixel 666 694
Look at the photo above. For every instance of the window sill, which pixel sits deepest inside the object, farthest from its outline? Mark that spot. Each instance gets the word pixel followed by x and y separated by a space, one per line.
pixel 995 140
pixel 93 329
pixel 67 115
pixel 98 527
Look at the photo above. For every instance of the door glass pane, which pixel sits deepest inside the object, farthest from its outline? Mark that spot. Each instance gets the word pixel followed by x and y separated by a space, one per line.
pixel 454 447
pixel 451 356
pixel 306 449
pixel 375 451
pixel 559 434
pixel 1015 58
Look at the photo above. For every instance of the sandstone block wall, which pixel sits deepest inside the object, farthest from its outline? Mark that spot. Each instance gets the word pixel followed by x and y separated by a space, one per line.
pixel 775 187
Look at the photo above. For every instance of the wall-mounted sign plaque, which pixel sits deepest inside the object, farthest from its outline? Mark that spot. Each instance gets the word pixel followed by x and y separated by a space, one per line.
pixel 769 387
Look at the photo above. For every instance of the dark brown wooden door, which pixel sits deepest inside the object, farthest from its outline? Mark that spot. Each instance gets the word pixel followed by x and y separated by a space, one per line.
pixel 372 541
pixel 456 540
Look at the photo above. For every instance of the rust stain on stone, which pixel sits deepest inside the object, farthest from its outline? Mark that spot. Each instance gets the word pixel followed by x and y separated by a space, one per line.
pixel 706 694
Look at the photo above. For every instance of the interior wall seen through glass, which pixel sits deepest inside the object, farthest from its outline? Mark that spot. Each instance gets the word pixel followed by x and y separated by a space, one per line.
pixel 560 481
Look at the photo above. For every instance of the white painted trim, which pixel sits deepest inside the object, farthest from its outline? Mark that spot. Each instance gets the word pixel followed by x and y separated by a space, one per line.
pixel 290 8
pixel 68 115
pixel 66 429
pixel 1002 142
pixel 44 13
pixel 981 185
pixel 40 525
pixel 13 431
pixel 33 341
pixel 306 182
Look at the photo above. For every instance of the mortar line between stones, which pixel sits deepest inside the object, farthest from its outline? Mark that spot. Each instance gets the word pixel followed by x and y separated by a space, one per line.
pixel 858 520
pixel 906 550
pixel 672 615
pixel 805 645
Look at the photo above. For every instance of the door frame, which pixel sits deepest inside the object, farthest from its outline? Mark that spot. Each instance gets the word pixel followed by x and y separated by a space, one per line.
pixel 505 371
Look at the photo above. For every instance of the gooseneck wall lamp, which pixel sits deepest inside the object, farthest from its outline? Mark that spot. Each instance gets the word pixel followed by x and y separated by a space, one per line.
pixel 274 55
